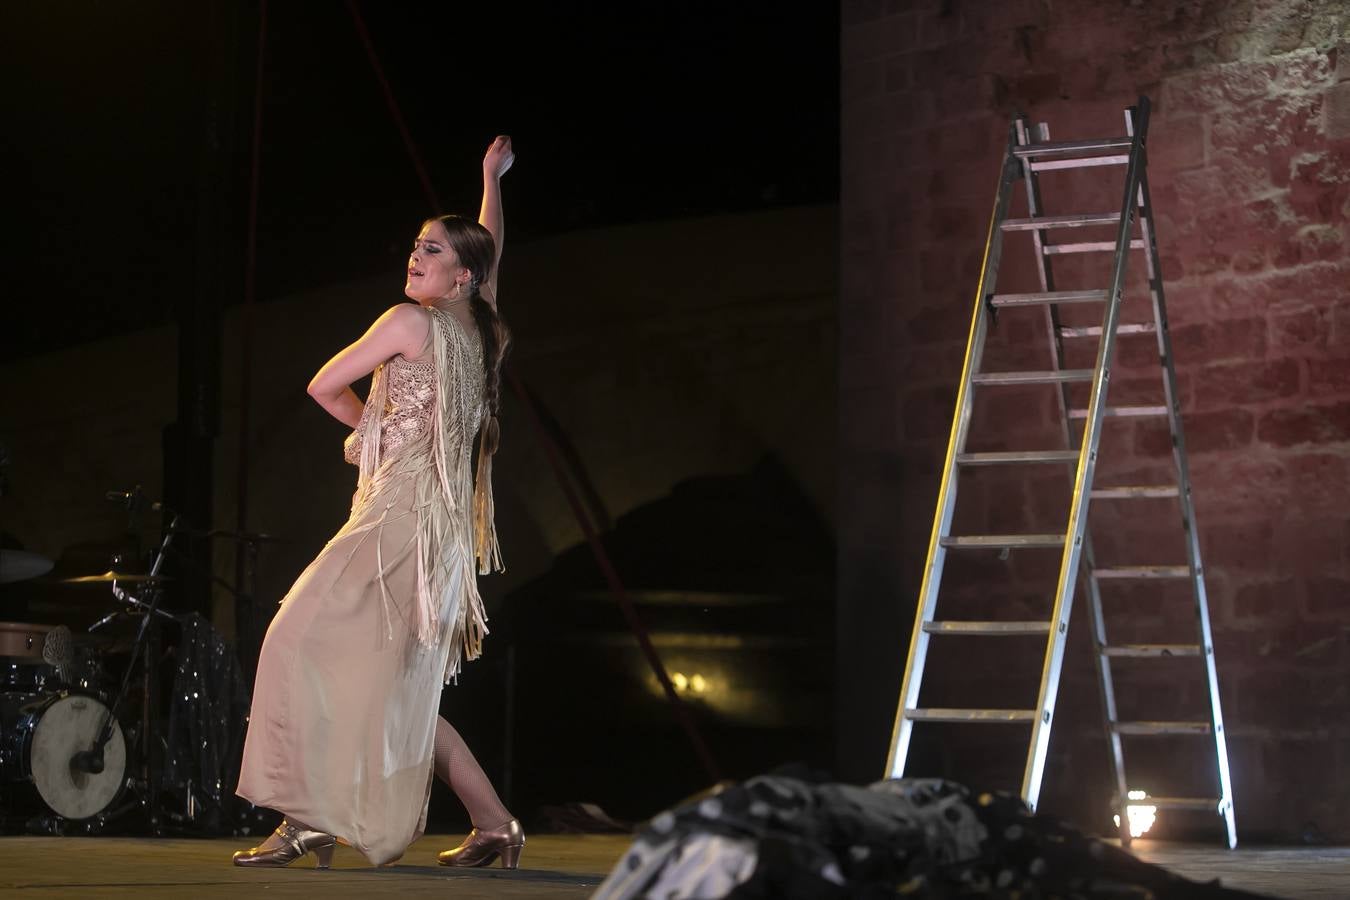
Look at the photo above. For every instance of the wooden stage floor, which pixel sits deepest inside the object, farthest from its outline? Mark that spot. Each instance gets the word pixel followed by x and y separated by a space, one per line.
pixel 36 868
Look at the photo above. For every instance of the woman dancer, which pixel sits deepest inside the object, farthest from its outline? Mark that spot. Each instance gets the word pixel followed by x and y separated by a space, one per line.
pixel 343 728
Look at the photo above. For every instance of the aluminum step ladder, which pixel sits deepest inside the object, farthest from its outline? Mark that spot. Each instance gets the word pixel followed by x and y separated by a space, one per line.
pixel 1028 155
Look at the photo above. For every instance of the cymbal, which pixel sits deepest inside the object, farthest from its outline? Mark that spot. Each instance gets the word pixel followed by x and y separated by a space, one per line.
pixel 17 565
pixel 110 576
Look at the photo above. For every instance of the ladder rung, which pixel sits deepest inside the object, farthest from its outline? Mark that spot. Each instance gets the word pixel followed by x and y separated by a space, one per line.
pixel 1051 377
pixel 990 629
pixel 994 716
pixel 1088 247
pixel 1142 572
pixel 1003 457
pixel 985 541
pixel 1123 412
pixel 1057 232
pixel 1070 148
pixel 1038 299
pixel 1140 651
pixel 1077 220
pixel 1096 330
pixel 1195 804
pixel 1082 162
pixel 1136 491
pixel 1161 727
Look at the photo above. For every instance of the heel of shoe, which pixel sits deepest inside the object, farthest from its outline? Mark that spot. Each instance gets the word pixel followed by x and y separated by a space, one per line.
pixel 511 856
pixel 324 855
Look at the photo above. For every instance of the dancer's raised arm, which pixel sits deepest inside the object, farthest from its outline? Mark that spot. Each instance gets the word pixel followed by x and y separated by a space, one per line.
pixel 496 162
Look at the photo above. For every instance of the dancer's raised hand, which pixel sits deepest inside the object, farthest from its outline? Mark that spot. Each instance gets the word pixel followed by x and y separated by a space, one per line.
pixel 499 157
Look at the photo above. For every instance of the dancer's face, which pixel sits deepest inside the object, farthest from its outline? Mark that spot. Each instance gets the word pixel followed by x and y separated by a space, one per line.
pixel 433 266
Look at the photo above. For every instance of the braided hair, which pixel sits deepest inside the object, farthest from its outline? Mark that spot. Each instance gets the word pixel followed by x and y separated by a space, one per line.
pixel 474 246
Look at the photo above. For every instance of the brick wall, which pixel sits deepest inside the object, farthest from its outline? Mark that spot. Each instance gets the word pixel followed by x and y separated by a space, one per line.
pixel 1249 154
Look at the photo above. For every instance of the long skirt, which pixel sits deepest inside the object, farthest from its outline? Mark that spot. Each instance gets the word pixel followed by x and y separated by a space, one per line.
pixel 343 722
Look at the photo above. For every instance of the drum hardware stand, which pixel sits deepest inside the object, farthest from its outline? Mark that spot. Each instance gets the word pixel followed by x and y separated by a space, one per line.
pixel 91 760
pixel 248 637
pixel 194 806
pixel 247 634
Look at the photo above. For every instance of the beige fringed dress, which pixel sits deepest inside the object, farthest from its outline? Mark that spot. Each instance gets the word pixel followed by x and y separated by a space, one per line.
pixel 349 679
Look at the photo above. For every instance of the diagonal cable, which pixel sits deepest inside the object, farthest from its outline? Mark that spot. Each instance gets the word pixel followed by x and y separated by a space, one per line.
pixel 392 102
pixel 678 707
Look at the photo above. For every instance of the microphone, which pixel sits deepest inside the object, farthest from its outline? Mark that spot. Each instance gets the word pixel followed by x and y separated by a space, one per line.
pixel 90 761
pixel 131 499
pixel 58 652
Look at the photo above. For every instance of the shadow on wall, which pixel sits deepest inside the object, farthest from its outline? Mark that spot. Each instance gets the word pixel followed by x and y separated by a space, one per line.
pixel 733 578
pixel 649 376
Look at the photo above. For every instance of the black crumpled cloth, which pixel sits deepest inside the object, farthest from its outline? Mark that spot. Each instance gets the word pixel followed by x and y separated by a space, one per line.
pixel 783 837
pixel 208 715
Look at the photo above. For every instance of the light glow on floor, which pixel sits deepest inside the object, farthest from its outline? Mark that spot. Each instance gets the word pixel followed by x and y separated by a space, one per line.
pixel 1141 815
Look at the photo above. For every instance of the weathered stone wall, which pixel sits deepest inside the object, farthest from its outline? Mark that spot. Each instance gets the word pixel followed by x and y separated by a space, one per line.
pixel 1249 147
pixel 663 350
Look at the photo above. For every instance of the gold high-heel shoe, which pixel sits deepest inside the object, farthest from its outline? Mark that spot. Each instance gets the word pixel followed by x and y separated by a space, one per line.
pixel 482 846
pixel 295 843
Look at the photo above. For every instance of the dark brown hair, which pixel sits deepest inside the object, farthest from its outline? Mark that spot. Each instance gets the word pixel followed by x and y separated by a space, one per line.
pixel 474 246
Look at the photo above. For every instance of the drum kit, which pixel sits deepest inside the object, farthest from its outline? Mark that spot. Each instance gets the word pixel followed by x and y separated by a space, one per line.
pixel 82 749
pixel 62 747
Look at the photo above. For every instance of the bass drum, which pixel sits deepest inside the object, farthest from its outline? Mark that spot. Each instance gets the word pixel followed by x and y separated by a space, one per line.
pixel 42 735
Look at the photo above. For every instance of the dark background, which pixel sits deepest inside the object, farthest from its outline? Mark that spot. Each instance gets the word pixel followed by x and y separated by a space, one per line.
pixel 128 144
pixel 619 113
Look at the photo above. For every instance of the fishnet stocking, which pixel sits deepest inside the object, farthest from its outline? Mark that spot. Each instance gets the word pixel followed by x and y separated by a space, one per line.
pixel 456 766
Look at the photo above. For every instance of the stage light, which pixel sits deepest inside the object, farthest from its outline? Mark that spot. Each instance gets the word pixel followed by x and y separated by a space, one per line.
pixel 1141 815
pixel 693 684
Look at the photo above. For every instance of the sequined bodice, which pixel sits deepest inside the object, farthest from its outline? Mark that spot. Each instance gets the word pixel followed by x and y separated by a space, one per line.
pixel 412 400
pixel 410 392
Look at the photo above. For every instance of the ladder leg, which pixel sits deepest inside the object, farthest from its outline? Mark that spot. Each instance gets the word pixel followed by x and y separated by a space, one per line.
pixel 1087 461
pixel 1090 586
pixel 932 572
pixel 1106 688
pixel 1188 512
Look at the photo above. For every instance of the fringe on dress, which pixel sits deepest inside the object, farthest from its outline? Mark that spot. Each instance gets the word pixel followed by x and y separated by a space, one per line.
pixel 455 510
